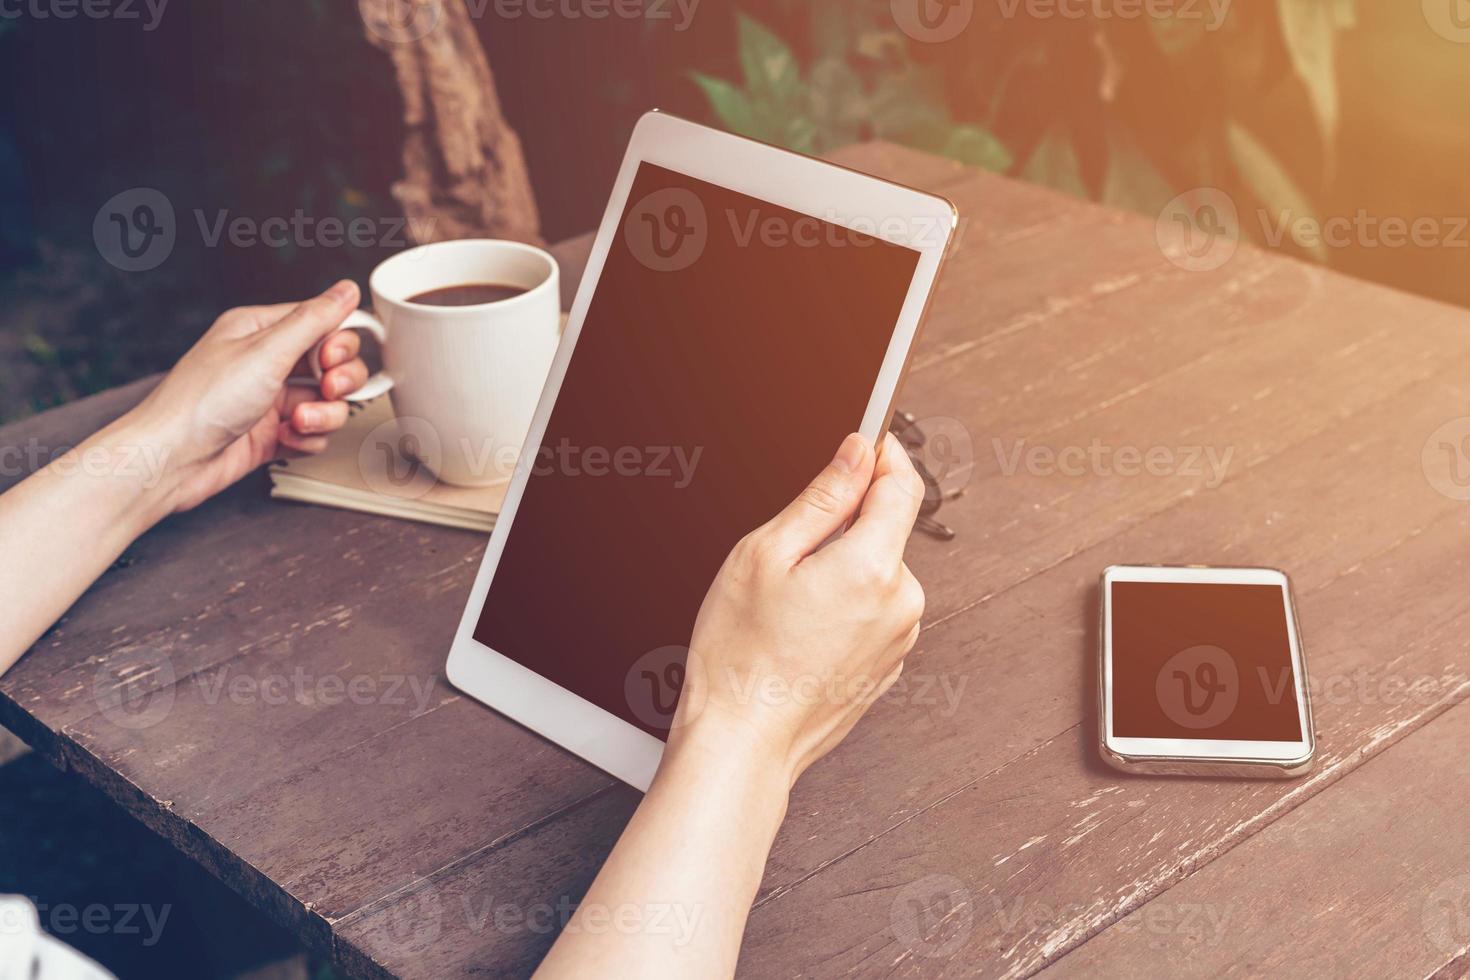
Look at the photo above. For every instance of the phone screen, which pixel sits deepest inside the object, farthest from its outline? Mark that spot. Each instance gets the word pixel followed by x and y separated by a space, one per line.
pixel 1202 660
pixel 729 347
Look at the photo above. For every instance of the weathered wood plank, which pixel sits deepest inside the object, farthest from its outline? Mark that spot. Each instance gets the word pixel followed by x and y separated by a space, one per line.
pixel 1028 650
pixel 1369 878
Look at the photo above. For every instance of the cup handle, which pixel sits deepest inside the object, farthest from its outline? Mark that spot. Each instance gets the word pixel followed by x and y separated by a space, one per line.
pixel 378 383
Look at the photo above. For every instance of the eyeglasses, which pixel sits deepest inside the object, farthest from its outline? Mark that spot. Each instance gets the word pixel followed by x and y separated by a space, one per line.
pixel 905 428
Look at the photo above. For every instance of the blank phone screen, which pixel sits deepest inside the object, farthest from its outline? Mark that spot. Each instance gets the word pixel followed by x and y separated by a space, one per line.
pixel 729 347
pixel 1202 660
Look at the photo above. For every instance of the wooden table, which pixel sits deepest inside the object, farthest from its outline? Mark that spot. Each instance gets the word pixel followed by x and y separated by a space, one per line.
pixel 408 831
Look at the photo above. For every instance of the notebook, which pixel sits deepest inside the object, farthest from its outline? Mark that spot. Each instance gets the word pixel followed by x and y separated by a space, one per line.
pixel 364 469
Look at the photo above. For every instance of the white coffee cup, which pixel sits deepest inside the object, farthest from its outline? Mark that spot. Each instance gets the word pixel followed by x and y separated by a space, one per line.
pixel 464 380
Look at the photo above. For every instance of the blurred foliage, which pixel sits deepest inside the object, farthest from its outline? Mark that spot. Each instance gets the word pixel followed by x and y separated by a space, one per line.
pixel 1128 111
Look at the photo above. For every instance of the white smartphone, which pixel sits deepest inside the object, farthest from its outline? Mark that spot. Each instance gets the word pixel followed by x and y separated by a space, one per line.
pixel 1201 672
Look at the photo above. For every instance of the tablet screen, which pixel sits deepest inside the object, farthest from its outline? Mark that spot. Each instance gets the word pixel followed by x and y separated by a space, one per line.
pixel 1202 660
pixel 728 348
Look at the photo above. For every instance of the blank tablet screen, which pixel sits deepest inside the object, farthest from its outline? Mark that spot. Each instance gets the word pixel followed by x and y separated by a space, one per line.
pixel 1202 660
pixel 728 348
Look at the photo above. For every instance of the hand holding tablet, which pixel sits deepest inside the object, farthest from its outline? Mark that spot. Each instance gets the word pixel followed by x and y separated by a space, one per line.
pixel 743 309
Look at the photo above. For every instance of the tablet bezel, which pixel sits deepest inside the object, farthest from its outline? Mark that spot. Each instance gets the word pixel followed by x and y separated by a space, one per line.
pixel 903 215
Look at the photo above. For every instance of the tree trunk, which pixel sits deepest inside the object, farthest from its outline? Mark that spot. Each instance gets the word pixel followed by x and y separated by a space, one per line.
pixel 464 173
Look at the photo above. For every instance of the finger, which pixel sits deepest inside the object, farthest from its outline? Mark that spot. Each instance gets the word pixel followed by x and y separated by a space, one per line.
pixel 890 506
pixel 293 336
pixel 340 348
pixel 826 504
pixel 287 436
pixel 318 418
pixel 344 380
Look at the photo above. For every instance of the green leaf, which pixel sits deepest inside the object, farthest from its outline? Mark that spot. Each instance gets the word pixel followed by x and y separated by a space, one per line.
pixel 770 68
pixel 977 147
pixel 1270 182
pixel 1054 163
pixel 1132 180
pixel 836 101
pixel 729 103
pixel 1309 30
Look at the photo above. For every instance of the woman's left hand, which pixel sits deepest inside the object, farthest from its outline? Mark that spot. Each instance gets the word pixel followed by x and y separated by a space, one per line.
pixel 226 407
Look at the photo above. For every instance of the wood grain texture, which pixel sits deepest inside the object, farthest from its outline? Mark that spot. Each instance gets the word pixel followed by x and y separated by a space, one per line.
pixel 1337 887
pixel 966 826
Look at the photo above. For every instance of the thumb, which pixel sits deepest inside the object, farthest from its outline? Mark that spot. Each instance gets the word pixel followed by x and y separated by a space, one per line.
pixel 292 336
pixel 826 504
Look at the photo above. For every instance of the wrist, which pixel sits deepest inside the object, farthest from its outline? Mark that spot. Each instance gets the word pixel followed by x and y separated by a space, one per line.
pixel 136 461
pixel 732 748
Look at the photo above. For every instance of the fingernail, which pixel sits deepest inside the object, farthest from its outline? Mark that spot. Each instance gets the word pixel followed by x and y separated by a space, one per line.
pixel 340 291
pixel 850 453
pixel 310 417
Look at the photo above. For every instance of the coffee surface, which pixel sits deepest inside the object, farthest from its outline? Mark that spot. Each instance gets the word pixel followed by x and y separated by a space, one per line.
pixel 467 294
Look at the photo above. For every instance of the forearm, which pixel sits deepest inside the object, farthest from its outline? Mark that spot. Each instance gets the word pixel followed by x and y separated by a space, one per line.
pixel 674 894
pixel 66 523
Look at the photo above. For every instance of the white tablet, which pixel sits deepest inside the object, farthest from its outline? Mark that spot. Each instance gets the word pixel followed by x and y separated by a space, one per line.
pixel 743 309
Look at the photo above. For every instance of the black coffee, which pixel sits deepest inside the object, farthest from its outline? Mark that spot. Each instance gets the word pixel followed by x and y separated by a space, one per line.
pixel 469 294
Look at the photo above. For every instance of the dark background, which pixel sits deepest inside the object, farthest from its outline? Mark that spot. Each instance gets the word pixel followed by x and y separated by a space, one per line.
pixel 274 106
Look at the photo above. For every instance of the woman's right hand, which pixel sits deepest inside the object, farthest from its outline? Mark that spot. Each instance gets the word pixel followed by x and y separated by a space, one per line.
pixel 794 641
